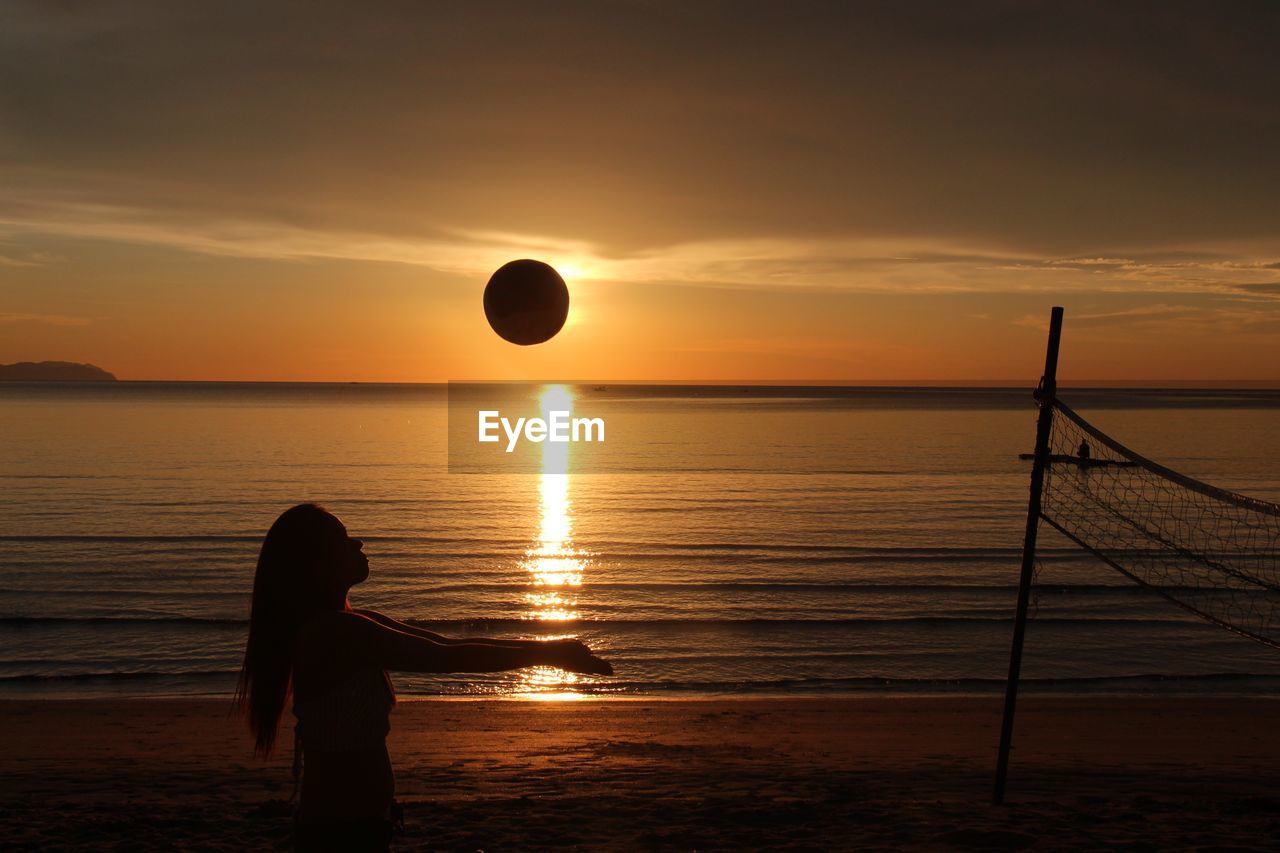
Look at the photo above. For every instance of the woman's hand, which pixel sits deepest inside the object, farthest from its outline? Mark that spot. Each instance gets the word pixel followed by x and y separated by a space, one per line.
pixel 574 656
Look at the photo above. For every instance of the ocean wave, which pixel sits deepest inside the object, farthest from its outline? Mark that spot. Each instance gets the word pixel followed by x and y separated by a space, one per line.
pixel 108 675
pixel 943 591
pixel 121 620
pixel 767 585
pixel 1206 683
pixel 962 685
pixel 555 626
pixel 606 544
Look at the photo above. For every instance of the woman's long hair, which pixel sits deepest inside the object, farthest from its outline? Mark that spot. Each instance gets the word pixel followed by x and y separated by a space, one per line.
pixel 288 588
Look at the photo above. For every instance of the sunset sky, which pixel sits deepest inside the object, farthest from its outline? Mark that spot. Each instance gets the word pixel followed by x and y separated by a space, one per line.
pixel 733 190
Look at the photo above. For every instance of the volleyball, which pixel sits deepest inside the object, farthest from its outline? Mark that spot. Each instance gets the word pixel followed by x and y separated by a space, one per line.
pixel 526 302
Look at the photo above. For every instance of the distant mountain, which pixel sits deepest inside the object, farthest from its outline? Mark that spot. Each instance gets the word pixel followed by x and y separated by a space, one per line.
pixel 53 371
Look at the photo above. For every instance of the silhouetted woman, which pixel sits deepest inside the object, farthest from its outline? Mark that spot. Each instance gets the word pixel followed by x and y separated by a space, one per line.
pixel 306 640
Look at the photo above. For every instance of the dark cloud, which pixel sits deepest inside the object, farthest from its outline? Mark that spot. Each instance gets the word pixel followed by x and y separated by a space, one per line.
pixel 1046 128
pixel 1264 288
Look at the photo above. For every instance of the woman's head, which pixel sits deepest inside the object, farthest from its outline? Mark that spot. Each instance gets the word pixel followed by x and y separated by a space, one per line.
pixel 306 565
pixel 307 558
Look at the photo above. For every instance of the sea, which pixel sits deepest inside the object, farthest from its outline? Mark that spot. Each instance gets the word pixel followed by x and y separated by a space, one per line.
pixel 737 541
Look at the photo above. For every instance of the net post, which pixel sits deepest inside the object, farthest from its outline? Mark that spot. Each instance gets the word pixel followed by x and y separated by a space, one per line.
pixel 1045 395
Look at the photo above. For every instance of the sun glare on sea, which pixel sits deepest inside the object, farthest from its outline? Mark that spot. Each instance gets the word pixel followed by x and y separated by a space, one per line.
pixel 555 567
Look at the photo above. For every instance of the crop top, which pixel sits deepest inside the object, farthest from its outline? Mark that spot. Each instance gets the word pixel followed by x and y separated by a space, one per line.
pixel 349 717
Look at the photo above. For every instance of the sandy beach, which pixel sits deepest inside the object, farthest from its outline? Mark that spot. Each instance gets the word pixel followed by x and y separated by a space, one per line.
pixel 862 773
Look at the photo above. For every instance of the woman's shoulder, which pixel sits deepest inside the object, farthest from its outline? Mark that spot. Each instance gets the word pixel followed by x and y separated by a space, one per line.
pixel 329 623
pixel 329 636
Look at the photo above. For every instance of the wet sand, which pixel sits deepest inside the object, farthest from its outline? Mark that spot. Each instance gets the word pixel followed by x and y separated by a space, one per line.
pixel 865 773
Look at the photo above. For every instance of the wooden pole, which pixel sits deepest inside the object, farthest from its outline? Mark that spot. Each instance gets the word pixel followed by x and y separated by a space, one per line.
pixel 1045 395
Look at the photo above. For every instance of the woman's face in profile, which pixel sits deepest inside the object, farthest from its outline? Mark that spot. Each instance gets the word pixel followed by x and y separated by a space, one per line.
pixel 350 565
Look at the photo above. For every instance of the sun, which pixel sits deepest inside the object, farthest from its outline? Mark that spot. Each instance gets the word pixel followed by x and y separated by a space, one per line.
pixel 571 270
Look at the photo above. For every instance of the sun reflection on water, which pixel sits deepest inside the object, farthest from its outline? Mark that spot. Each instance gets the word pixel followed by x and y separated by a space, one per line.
pixel 555 566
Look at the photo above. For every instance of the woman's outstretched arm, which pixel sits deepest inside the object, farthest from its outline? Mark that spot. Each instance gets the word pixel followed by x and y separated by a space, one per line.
pixel 382 619
pixel 372 642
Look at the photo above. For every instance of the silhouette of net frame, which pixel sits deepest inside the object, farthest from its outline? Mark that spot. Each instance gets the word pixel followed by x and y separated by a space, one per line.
pixel 1212 552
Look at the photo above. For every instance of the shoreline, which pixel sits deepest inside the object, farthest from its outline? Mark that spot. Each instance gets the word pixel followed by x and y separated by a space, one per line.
pixel 822 773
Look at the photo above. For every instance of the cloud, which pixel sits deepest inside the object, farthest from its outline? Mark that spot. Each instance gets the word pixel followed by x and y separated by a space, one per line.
pixel 1172 320
pixel 1129 317
pixel 48 319
pixel 1266 289
pixel 22 258
pixel 1047 132
pixel 872 265
pixel 1138 314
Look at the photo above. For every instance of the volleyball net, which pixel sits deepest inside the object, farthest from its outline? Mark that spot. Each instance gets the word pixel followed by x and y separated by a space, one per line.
pixel 1212 552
